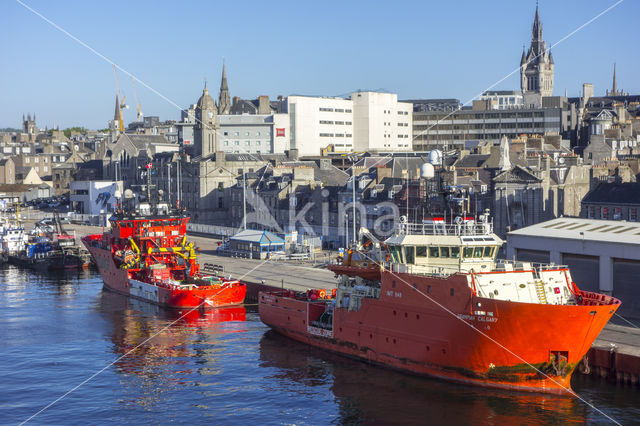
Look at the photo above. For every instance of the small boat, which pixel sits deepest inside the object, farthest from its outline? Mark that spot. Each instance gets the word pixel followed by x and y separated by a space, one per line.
pixel 445 307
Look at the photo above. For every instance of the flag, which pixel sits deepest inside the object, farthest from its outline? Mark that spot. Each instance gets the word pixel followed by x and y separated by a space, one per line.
pixel 149 165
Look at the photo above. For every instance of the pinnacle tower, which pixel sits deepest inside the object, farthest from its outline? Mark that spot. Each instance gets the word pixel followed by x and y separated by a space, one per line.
pixel 224 100
pixel 536 68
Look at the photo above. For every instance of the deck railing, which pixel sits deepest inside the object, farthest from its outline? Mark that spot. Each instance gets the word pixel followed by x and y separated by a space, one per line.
pixel 457 229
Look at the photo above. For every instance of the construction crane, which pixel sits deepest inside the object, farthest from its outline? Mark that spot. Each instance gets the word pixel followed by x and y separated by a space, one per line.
pixel 122 105
pixel 138 106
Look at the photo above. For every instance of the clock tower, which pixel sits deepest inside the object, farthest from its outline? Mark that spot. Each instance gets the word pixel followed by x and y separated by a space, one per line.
pixel 207 126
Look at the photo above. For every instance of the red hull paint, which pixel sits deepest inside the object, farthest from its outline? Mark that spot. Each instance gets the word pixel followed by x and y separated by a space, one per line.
pixel 407 331
pixel 117 280
pixel 370 272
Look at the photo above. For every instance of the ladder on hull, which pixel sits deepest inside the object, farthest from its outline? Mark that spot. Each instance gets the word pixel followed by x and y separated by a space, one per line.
pixel 542 296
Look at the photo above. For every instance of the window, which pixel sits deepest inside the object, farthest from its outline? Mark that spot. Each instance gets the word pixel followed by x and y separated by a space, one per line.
pixel 488 251
pixel 434 252
pixel 455 252
pixel 477 252
pixel 27 160
pixel 633 214
pixel 444 251
pixel 410 252
pixel 258 143
pixel 220 186
pixel 326 109
pixel 226 143
pixel 247 143
pixel 468 252
pixel 257 133
pixel 226 133
pixel 421 251
pixel 246 133
pixel 236 134
pixel 339 110
pixel 236 142
pixel 347 110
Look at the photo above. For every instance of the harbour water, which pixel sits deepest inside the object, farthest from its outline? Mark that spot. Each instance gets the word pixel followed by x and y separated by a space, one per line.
pixel 224 366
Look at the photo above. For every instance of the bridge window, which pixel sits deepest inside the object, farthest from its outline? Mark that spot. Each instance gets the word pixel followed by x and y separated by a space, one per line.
pixel 421 251
pixel 468 252
pixel 488 251
pixel 410 251
pixel 444 251
pixel 455 252
pixel 434 251
pixel 477 252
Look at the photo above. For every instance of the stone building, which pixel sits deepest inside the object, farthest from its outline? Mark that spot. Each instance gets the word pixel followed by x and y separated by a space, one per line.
pixel 29 127
pixel 207 128
pixel 536 68
pixel 7 171
pixel 612 201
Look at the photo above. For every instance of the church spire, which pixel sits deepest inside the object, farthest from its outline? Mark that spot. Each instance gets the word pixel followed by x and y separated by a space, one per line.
pixel 224 100
pixel 116 115
pixel 536 30
pixel 615 82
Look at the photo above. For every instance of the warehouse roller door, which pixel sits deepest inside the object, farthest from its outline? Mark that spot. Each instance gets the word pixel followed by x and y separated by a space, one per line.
pixel 585 270
pixel 536 256
pixel 626 286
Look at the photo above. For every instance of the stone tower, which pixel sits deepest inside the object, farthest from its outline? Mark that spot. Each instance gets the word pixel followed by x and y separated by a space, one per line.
pixel 29 126
pixel 536 68
pixel 224 100
pixel 207 126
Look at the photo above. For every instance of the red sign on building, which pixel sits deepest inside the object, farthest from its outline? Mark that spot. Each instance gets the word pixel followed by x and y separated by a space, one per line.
pixel 279 132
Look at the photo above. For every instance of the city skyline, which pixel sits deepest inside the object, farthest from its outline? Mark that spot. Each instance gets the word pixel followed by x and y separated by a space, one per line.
pixel 66 85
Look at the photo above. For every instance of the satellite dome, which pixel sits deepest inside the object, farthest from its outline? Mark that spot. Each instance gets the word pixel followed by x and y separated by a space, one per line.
pixel 435 157
pixel 427 171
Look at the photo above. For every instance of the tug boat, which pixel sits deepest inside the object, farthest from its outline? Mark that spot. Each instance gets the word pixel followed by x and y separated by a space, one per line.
pixel 146 255
pixel 445 307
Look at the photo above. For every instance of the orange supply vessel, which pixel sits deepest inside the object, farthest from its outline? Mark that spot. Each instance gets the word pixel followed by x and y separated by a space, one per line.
pixel 445 307
pixel 146 255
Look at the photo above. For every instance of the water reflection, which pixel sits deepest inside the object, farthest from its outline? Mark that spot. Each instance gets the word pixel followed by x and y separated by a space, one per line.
pixel 370 394
pixel 160 348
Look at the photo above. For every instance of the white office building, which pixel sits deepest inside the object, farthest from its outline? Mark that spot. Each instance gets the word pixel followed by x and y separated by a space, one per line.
pixel 367 121
pixel 254 133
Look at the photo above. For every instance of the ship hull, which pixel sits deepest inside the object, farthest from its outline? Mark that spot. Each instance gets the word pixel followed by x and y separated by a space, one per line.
pixel 437 327
pixel 52 263
pixel 117 280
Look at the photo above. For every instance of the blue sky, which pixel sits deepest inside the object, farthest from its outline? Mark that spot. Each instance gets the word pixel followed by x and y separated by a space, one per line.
pixel 418 49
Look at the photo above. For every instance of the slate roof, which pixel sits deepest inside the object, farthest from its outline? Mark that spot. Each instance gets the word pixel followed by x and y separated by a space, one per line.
pixel 614 193
pixel 516 174
pixel 141 141
pixel 472 161
pixel 259 237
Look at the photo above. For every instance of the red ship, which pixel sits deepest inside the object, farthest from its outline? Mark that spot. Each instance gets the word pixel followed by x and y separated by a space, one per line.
pixel 446 308
pixel 146 255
